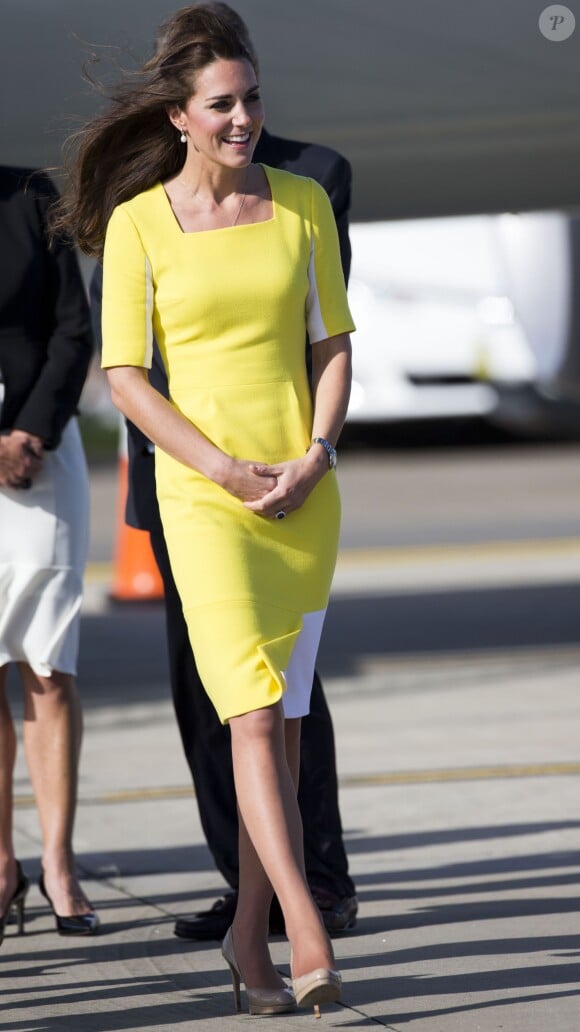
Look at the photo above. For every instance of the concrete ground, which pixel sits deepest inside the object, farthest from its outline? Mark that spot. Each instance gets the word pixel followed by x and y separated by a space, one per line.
pixel 459 771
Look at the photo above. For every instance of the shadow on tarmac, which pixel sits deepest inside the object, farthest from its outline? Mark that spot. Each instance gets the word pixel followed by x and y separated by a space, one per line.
pixel 158 948
pixel 495 619
pixel 394 987
pixel 123 656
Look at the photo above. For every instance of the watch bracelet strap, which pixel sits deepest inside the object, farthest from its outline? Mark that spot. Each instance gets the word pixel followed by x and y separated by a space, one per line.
pixel 329 449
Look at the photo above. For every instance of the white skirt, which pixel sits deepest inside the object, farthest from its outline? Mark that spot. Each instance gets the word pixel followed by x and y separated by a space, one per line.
pixel 44 538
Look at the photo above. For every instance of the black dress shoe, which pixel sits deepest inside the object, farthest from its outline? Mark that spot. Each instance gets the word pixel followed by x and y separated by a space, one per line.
pixel 338 912
pixel 209 924
pixel 212 924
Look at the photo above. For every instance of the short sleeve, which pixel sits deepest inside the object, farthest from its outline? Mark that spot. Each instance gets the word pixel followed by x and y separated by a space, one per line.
pixel 127 319
pixel 327 311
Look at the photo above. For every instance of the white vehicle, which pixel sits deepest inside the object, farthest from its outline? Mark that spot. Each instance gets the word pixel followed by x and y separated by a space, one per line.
pixel 437 331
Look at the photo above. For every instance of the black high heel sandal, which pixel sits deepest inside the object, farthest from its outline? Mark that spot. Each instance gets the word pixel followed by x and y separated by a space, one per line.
pixel 16 901
pixel 77 924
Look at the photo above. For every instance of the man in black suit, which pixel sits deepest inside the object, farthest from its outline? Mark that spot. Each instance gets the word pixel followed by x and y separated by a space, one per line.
pixel 205 741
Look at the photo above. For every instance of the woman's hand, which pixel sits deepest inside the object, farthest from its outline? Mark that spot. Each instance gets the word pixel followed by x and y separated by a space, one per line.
pixel 248 481
pixel 294 480
pixel 21 456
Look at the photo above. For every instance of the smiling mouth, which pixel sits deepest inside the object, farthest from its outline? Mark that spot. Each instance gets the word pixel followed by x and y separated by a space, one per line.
pixel 240 139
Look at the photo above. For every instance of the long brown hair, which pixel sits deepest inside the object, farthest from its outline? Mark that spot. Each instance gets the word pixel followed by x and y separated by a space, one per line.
pixel 132 144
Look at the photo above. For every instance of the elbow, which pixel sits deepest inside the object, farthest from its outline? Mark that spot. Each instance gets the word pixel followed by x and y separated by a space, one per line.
pixel 341 349
pixel 118 395
pixel 334 352
pixel 117 398
pixel 128 385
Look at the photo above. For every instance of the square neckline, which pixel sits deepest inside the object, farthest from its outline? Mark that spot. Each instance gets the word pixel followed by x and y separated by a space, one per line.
pixel 220 229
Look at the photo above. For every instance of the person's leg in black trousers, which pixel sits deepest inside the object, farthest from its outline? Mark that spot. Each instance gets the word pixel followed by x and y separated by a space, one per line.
pixel 326 863
pixel 206 743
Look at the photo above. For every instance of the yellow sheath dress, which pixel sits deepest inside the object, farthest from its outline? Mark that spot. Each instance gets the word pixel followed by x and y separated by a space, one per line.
pixel 230 309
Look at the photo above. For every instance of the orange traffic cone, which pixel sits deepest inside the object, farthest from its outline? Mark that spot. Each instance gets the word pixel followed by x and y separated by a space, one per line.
pixel 136 576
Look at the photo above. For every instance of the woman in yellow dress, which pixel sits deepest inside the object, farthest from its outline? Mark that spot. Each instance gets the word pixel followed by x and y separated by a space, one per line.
pixel 230 265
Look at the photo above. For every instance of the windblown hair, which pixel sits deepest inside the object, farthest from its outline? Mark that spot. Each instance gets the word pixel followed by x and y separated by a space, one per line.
pixel 132 145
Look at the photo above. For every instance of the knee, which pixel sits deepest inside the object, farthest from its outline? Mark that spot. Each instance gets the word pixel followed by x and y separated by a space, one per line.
pixel 57 688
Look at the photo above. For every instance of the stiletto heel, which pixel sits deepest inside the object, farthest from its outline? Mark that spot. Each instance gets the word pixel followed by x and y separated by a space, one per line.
pixel 323 985
pixel 236 981
pixel 320 986
pixel 260 1001
pixel 77 924
pixel 19 907
pixel 17 901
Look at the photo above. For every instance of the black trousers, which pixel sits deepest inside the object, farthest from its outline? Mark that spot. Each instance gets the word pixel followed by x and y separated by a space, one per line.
pixel 207 747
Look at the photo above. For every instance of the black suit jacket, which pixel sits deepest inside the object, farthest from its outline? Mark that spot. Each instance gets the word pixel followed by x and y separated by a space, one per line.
pixel 333 172
pixel 45 332
pixel 323 164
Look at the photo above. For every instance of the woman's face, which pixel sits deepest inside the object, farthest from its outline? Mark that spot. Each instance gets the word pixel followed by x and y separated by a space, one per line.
pixel 224 117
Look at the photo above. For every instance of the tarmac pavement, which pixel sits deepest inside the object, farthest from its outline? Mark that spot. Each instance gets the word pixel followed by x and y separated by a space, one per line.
pixel 459 773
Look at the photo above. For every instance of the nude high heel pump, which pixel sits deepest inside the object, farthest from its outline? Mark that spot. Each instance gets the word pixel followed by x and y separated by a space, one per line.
pixel 16 901
pixel 260 1001
pixel 323 985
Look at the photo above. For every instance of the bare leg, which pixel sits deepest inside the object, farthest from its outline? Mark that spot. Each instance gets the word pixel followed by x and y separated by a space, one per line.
pixel 52 739
pixel 8 876
pixel 250 927
pixel 266 793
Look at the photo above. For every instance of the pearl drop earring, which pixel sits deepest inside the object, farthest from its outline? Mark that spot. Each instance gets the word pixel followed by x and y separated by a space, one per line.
pixel 183 137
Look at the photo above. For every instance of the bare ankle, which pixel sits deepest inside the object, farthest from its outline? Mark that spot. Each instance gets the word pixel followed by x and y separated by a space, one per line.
pixel 7 865
pixel 248 925
pixel 311 950
pixel 59 862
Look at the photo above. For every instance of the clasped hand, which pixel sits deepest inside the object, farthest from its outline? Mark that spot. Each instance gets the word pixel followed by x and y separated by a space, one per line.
pixel 285 486
pixel 21 457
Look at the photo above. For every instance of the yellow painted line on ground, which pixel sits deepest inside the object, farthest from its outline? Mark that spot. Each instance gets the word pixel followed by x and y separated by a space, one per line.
pixel 413 777
pixel 403 777
pixel 532 548
pixel 130 795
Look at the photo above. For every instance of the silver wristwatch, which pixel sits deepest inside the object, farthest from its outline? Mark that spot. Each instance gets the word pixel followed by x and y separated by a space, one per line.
pixel 330 451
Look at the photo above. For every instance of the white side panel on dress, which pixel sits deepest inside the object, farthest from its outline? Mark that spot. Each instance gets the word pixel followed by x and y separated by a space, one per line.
pixel 300 669
pixel 44 536
pixel 314 321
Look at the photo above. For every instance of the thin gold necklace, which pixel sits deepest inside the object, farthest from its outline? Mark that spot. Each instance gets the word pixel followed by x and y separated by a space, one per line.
pixel 244 195
pixel 242 202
